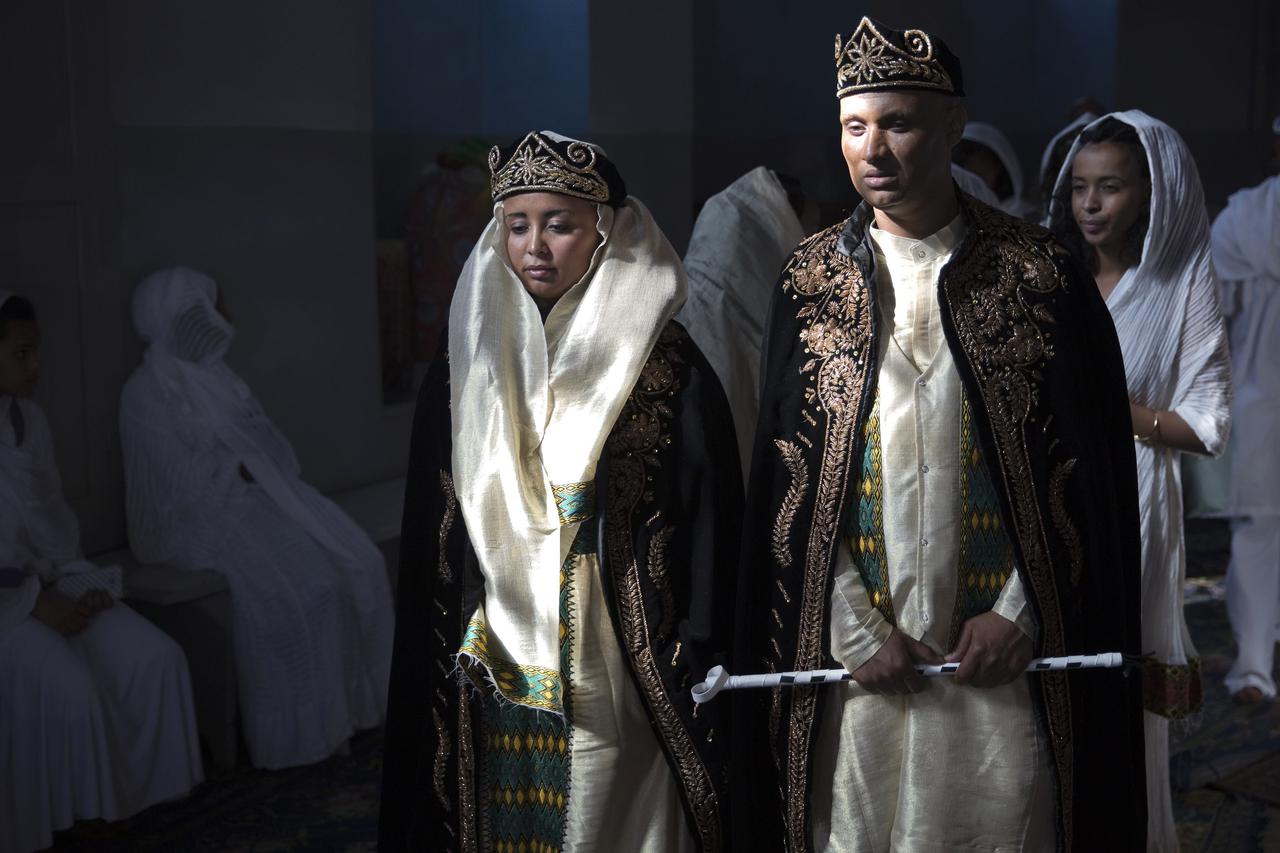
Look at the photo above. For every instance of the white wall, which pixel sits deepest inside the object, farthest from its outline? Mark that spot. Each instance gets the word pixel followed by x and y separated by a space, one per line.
pixel 242 148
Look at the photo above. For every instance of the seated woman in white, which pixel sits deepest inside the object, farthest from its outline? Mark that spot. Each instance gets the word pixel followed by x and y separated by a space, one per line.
pixel 211 483
pixel 96 717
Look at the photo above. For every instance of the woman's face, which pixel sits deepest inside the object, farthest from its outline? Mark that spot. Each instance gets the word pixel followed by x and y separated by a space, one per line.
pixel 19 358
pixel 550 241
pixel 1108 193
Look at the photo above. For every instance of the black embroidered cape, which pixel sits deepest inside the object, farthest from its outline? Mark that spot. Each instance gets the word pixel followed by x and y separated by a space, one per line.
pixel 667 524
pixel 1041 366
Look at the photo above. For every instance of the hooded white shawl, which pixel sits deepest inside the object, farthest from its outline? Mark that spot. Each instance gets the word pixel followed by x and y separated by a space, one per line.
pixel 990 136
pixel 1175 356
pixel 1073 127
pixel 532 405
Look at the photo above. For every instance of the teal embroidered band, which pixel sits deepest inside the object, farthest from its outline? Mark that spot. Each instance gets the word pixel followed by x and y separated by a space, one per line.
pixel 575 501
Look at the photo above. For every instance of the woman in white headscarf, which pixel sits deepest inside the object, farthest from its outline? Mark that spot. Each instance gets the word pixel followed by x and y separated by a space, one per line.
pixel 570 539
pixel 96 715
pixel 1129 203
pixel 211 483
pixel 1246 253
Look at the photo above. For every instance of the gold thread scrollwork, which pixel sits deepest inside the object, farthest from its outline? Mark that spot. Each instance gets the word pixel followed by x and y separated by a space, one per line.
pixel 995 291
pixel 835 320
pixel 643 429
pixel 868 60
pixel 446 523
pixel 536 166
pixel 1062 519
pixel 793 459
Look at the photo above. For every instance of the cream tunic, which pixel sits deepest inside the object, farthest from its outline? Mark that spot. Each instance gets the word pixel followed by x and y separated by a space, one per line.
pixel 950 768
pixel 623 795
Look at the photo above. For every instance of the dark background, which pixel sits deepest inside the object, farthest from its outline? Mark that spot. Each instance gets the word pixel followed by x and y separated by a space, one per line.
pixel 272 144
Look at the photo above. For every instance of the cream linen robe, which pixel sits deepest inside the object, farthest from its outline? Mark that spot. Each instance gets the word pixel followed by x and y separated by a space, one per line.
pixel 950 768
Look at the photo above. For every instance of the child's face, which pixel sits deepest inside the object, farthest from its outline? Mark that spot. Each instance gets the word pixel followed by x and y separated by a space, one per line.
pixel 19 358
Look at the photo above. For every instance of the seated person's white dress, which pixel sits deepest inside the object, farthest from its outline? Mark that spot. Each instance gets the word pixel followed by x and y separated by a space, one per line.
pixel 211 483
pixel 100 724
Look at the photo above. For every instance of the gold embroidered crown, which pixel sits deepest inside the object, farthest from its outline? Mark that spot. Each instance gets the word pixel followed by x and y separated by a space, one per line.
pixel 877 58
pixel 539 163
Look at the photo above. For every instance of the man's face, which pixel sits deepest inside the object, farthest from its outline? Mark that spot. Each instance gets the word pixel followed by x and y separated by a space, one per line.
pixel 898 145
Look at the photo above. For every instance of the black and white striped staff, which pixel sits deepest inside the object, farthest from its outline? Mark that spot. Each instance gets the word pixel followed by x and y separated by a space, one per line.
pixel 717 679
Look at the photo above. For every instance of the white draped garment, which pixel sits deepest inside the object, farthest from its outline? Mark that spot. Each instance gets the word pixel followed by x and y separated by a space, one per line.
pixel 742 236
pixel 1175 347
pixel 97 725
pixel 211 483
pixel 990 137
pixel 1246 253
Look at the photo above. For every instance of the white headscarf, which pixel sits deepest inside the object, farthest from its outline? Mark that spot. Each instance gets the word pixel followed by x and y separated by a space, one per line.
pixel 1149 303
pixel 1074 127
pixel 532 406
pixel 741 239
pixel 989 135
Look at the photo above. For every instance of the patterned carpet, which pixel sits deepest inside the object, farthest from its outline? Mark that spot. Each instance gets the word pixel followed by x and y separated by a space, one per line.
pixel 331 806
pixel 1226 771
pixel 1226 774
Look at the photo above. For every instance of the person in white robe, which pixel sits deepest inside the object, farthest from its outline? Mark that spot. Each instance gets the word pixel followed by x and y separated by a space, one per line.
pixel 740 240
pixel 987 152
pixel 1130 203
pixel 211 483
pixel 1246 253
pixel 96 714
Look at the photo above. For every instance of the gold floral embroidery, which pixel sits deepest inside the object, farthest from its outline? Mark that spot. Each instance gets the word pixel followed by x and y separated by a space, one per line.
pixel 1062 520
pixel 446 523
pixel 994 292
pixel 444 746
pixel 633 447
pixel 658 574
pixel 793 458
pixel 536 166
pixel 466 774
pixel 836 328
pixel 869 60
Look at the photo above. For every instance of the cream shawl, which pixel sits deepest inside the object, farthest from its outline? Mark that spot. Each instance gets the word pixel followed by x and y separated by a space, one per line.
pixel 532 406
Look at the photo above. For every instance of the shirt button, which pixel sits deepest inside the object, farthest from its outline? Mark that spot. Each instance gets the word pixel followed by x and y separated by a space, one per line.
pixel 924 541
pixel 920 253
pixel 922 382
pixel 924 617
pixel 924 469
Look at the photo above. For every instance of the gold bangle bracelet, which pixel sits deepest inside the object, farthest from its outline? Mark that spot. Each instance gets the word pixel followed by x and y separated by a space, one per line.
pixel 1155 429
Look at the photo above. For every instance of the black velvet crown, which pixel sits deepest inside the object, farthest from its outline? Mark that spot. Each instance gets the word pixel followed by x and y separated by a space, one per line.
pixel 877 58
pixel 540 164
